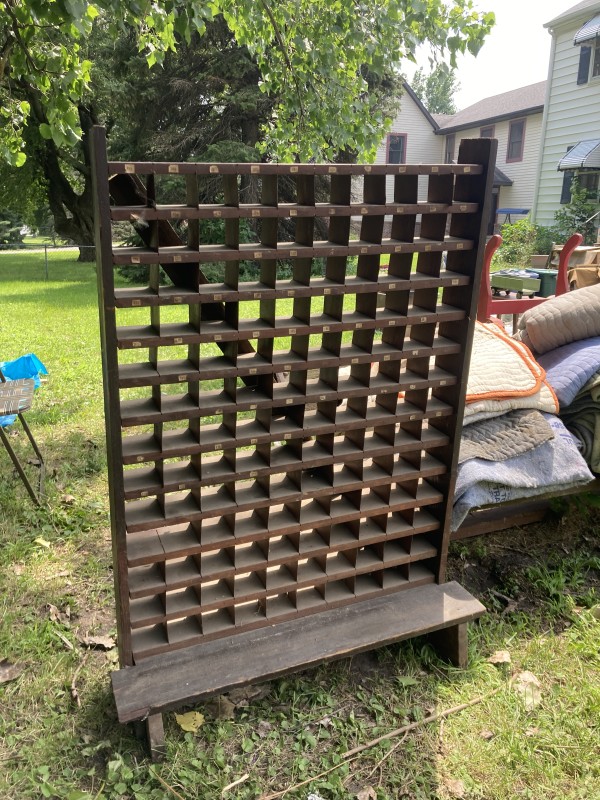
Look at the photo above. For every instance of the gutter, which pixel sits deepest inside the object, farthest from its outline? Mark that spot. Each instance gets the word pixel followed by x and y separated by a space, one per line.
pixel 517 114
pixel 538 172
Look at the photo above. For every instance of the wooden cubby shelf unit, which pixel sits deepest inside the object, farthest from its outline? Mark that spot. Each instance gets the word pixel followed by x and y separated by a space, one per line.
pixel 284 378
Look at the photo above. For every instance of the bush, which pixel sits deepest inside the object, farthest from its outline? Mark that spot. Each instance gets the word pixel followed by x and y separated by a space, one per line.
pixel 577 216
pixel 545 237
pixel 518 242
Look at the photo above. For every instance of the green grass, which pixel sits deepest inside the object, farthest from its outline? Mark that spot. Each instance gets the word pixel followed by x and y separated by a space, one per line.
pixel 56 579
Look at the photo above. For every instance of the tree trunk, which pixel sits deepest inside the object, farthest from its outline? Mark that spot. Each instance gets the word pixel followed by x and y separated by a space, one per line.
pixel 72 210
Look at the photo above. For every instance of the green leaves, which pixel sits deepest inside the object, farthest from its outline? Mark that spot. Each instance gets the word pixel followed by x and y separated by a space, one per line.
pixel 313 56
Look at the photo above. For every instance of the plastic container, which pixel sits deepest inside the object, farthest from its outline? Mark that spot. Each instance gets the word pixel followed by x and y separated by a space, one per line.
pixel 547 282
pixel 522 282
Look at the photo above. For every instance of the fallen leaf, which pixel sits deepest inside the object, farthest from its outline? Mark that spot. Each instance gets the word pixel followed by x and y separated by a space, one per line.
pixel 10 672
pixel 98 642
pixel 595 611
pixel 532 731
pixel 56 615
pixel 528 686
pixel 191 721
pixel 368 793
pixel 41 541
pixel 264 728
pixel 18 569
pixel 221 708
pixel 455 787
pixel 242 697
pixel 500 657
pixel 487 735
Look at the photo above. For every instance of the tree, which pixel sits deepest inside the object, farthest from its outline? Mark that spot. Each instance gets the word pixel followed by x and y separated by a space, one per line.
pixel 303 78
pixel 11 227
pixel 436 91
pixel 310 53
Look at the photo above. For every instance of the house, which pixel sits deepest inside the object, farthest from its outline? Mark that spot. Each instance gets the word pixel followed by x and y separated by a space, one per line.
pixel 514 118
pixel 571 125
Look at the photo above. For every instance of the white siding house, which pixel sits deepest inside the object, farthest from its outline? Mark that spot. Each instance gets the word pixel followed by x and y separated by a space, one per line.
pixel 411 139
pixel 515 119
pixel 572 112
pixel 417 127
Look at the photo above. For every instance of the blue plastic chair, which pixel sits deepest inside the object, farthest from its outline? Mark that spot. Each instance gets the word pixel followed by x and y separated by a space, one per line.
pixel 18 379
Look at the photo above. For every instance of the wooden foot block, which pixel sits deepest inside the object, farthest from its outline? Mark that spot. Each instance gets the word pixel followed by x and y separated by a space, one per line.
pixel 452 644
pixel 155 732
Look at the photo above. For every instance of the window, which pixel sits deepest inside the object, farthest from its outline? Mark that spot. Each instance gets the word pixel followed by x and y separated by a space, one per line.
pixel 450 142
pixel 589 182
pixel 584 65
pixel 568 175
pixel 596 62
pixel 565 194
pixel 586 180
pixel 487 132
pixel 587 56
pixel 516 140
pixel 396 148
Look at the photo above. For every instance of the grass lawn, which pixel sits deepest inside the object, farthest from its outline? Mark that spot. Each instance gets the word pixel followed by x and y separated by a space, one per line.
pixel 59 737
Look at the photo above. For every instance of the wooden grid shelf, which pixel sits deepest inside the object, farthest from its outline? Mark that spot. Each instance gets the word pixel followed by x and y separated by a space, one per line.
pixel 282 438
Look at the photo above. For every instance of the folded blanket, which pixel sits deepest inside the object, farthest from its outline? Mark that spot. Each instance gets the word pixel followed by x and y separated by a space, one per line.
pixel 503 375
pixel 569 368
pixel 582 418
pixel 548 468
pixel 560 320
pixel 504 437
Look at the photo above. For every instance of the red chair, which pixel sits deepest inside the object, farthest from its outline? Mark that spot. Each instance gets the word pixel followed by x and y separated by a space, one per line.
pixel 489 305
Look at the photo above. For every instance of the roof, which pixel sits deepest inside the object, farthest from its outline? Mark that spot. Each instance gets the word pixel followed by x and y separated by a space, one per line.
pixel 585 155
pixel 500 179
pixel 442 119
pixel 574 11
pixel 588 32
pixel 516 103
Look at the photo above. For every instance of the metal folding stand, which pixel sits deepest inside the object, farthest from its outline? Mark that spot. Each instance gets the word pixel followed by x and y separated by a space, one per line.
pixel 15 398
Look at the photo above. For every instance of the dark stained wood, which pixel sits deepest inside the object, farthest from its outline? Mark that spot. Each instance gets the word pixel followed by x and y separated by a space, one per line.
pixel 142 691
pixel 300 474
pixel 452 644
pixel 516 513
pixel 155 734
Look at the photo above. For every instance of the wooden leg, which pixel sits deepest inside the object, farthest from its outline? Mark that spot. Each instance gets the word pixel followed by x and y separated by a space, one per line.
pixel 451 644
pixel 156 737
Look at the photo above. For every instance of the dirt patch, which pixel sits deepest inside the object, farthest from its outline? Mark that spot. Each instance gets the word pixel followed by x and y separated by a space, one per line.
pixel 520 569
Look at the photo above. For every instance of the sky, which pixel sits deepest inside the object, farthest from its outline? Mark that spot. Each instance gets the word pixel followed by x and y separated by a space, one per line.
pixel 515 54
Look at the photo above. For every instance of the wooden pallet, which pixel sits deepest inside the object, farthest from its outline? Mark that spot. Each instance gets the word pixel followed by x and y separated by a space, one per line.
pixel 282 448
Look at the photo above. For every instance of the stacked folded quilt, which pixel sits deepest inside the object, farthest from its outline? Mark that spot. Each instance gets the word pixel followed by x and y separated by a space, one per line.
pixel 513 445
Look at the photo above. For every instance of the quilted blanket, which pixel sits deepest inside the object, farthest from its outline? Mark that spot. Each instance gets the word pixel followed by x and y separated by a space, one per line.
pixel 582 418
pixel 554 465
pixel 560 320
pixel 504 437
pixel 503 376
pixel 570 367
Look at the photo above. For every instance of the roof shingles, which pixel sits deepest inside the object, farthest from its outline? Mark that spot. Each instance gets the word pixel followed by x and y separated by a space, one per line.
pixel 526 100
